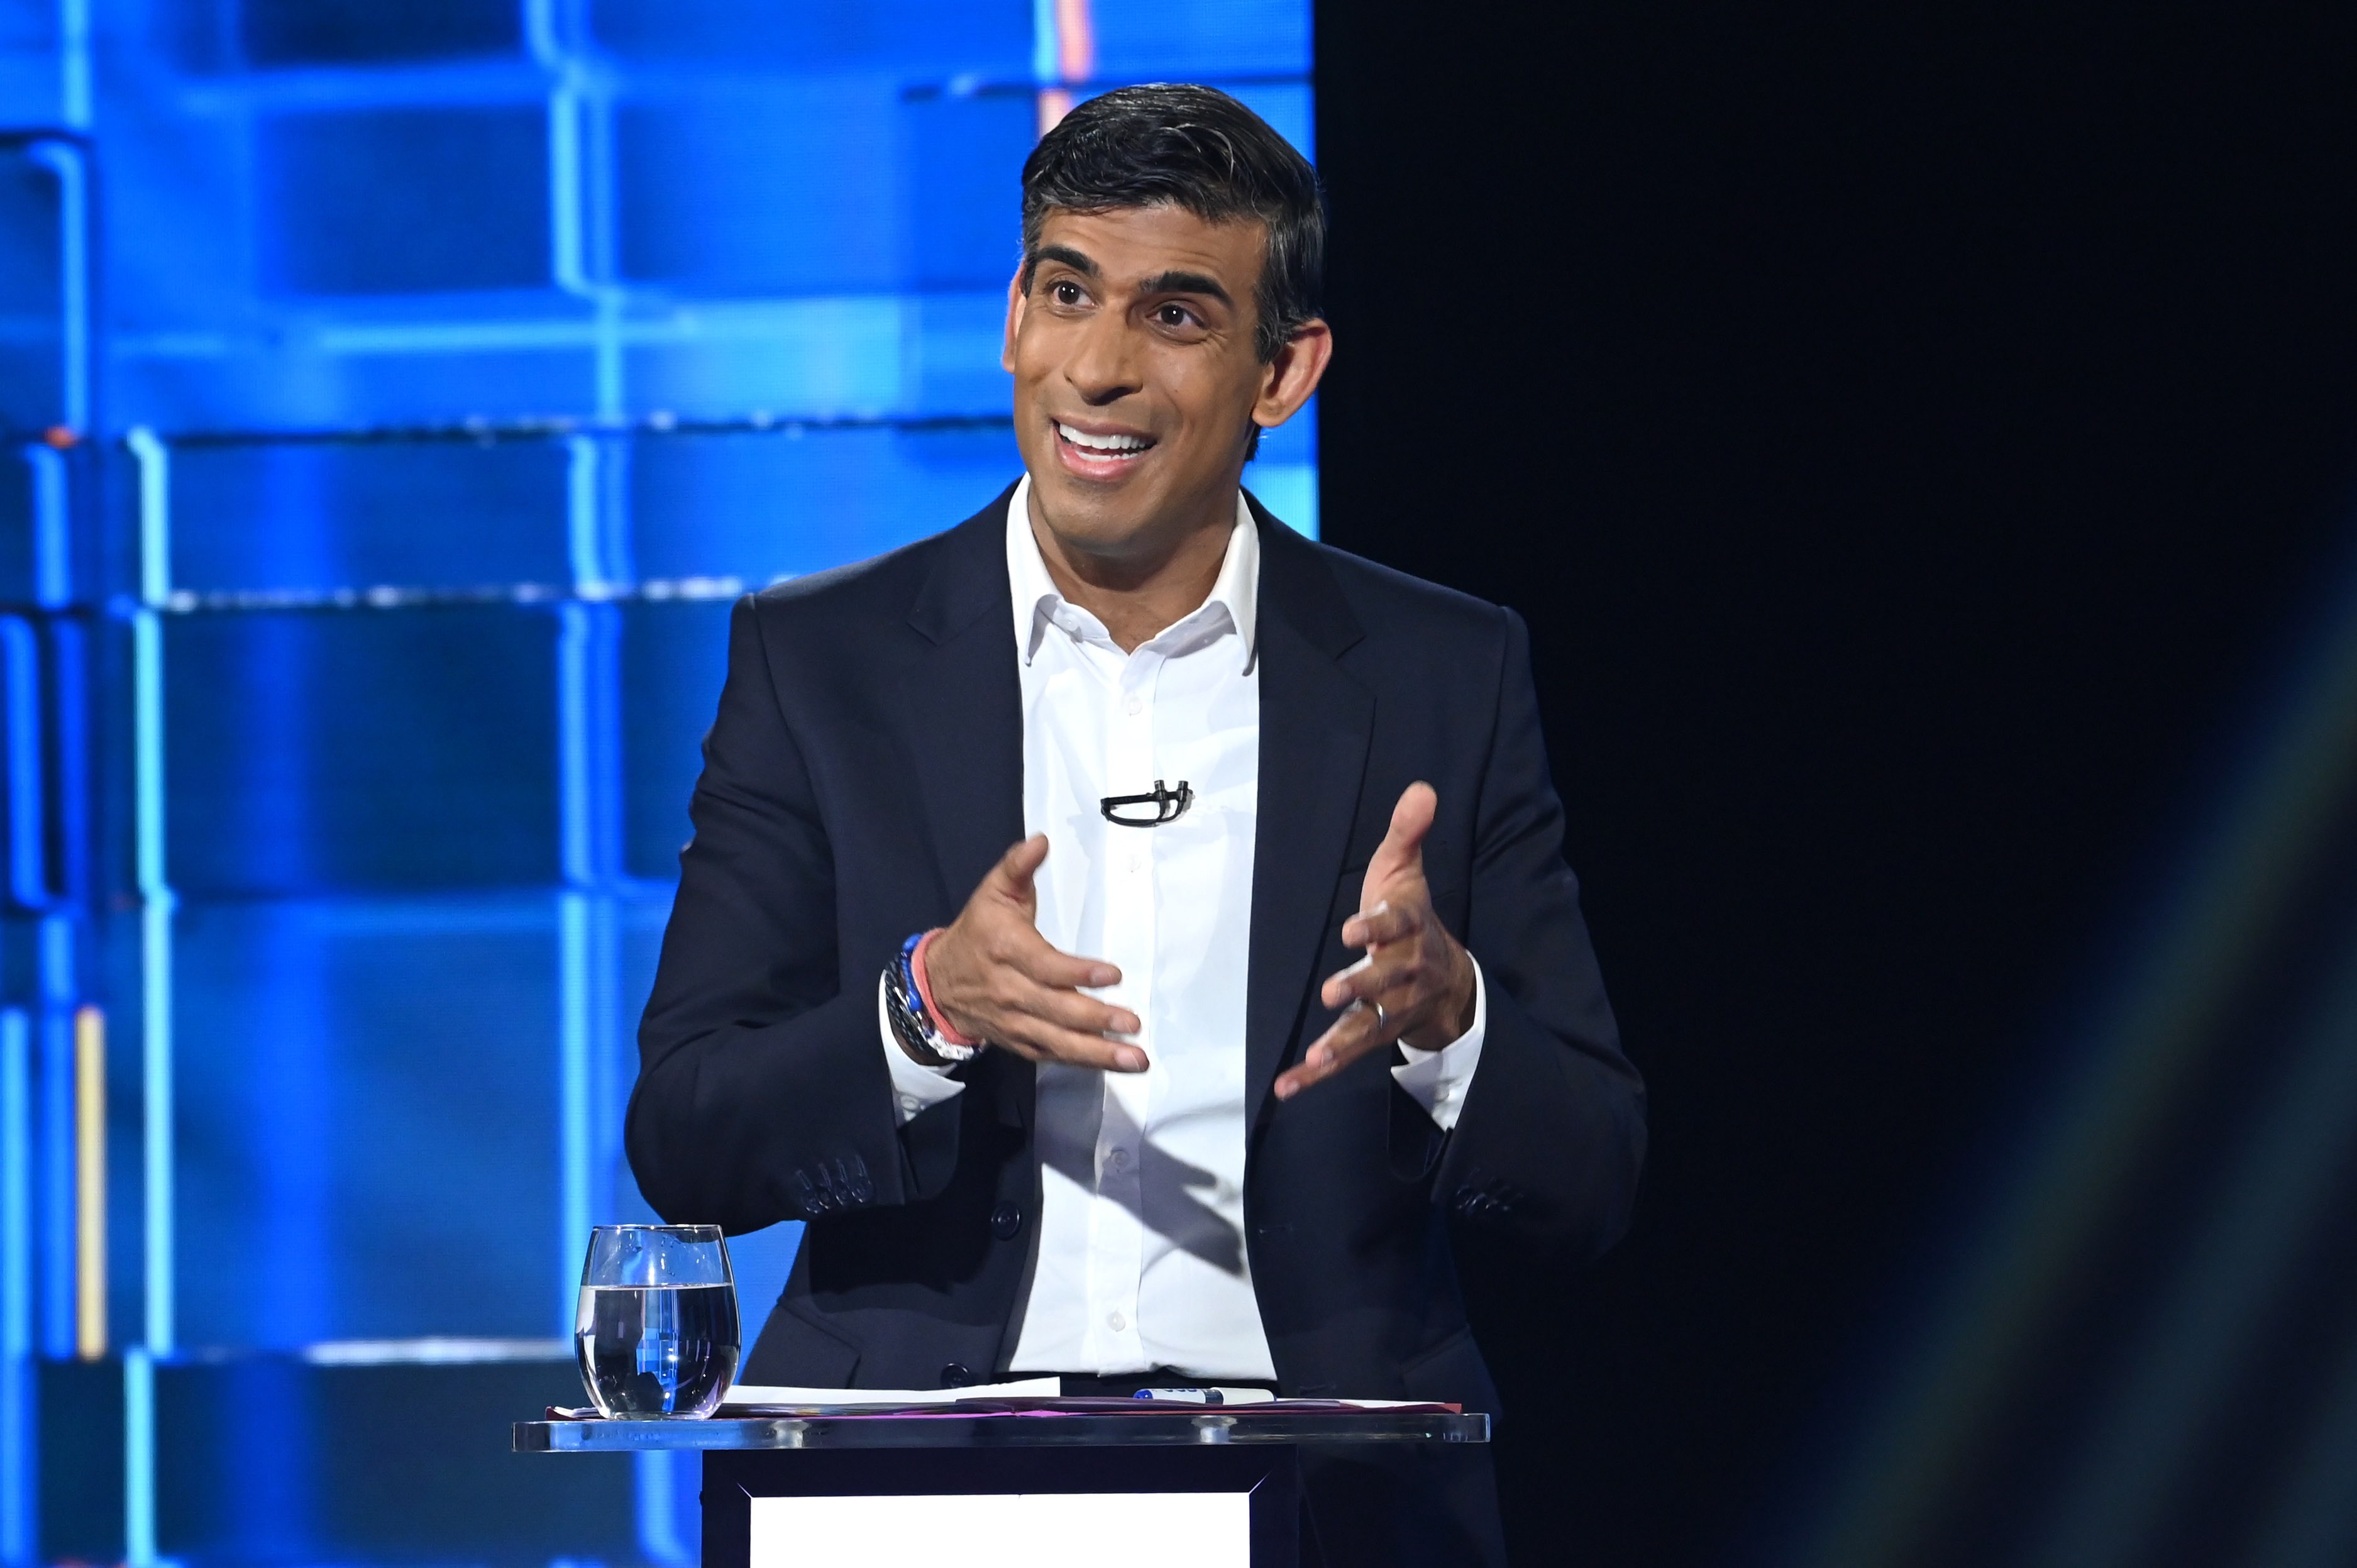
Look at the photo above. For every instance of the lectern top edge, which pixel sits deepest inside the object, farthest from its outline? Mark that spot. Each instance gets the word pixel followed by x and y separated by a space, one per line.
pixel 1001 1431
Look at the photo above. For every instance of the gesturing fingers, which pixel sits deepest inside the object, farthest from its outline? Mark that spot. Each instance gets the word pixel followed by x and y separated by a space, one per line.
pixel 1072 1011
pixel 1031 1003
pixel 1371 978
pixel 1363 1027
pixel 992 976
pixel 1029 954
pixel 1388 924
pixel 1402 851
pixel 1415 981
pixel 1042 1041
pixel 1053 1024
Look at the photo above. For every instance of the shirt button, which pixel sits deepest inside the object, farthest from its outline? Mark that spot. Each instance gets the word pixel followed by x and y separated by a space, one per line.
pixel 1137 862
pixel 1117 1322
pixel 1118 1159
pixel 1136 706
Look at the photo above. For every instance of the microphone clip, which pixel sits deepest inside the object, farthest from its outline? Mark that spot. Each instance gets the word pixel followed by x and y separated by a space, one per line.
pixel 1166 806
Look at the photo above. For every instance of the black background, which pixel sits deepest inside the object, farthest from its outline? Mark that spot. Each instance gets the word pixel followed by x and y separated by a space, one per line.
pixel 1917 443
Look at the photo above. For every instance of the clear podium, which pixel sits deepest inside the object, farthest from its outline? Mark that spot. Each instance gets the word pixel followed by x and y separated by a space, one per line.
pixel 1036 1483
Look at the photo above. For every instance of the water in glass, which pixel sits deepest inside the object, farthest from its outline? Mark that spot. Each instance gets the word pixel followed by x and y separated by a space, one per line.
pixel 656 1329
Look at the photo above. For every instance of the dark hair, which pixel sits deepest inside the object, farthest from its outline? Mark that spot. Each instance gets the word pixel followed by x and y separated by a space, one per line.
pixel 1197 148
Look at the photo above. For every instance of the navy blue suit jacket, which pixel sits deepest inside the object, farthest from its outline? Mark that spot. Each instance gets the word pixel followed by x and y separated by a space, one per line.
pixel 865 770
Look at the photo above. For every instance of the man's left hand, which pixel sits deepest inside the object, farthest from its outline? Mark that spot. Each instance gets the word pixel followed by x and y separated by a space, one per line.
pixel 1416 983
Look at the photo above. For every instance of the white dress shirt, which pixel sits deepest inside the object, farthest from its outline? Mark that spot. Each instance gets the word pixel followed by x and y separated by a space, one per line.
pixel 1140 1259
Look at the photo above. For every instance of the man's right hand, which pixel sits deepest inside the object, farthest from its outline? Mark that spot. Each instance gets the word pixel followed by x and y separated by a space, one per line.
pixel 994 977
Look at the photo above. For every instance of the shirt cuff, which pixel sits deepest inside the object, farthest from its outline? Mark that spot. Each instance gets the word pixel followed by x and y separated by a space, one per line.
pixel 1437 1080
pixel 914 1085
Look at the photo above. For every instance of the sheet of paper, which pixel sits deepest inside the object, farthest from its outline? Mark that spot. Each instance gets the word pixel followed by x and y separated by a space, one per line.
pixel 1021 1388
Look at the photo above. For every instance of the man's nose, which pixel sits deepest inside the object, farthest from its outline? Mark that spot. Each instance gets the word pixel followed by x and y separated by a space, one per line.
pixel 1104 365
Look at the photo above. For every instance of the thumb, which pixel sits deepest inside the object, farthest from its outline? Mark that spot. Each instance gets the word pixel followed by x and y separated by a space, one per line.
pixel 1012 876
pixel 1401 850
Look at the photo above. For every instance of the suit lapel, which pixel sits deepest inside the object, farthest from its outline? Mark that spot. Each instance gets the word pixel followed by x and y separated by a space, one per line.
pixel 960 713
pixel 1314 723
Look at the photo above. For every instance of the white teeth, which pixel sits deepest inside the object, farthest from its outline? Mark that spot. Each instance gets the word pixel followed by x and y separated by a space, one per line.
pixel 1103 442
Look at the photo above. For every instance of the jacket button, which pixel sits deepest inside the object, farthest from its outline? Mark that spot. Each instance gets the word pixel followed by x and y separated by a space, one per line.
pixel 1005 1221
pixel 955 1376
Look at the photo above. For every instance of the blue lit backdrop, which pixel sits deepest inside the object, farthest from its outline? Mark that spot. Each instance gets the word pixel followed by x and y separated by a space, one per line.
pixel 397 392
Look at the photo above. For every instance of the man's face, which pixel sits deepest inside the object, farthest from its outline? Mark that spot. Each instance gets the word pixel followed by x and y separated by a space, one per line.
pixel 1137 385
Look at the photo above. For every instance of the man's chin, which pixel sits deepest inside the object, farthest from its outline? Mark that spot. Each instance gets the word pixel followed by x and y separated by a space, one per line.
pixel 1102 517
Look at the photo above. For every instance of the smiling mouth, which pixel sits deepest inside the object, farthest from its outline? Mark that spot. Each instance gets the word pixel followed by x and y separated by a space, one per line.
pixel 1113 447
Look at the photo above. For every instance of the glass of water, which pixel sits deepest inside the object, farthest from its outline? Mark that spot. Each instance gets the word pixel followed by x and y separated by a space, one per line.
pixel 656 1327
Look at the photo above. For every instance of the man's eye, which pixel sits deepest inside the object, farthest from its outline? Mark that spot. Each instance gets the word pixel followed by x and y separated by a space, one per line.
pixel 1066 294
pixel 1175 315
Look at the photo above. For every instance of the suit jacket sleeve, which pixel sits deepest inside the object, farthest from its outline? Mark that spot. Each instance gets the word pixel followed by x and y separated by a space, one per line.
pixel 762 1094
pixel 1553 1131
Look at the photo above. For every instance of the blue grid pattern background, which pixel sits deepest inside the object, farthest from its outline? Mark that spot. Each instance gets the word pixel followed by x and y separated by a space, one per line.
pixel 393 394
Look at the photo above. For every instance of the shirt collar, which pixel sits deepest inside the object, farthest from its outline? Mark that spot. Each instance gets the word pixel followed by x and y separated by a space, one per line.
pixel 1036 598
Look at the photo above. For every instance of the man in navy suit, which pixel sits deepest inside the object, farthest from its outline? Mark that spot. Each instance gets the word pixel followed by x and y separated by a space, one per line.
pixel 1132 934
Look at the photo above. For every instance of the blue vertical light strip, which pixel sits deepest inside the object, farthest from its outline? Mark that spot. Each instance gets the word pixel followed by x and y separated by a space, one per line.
pixel 52 550
pixel 616 561
pixel 154 460
pixel 598 554
pixel 65 160
pixel 154 891
pixel 590 819
pixel 60 971
pixel 74 85
pixel 138 1457
pixel 70 714
pixel 20 688
pixel 57 1138
pixel 54 1233
pixel 598 245
pixel 578 865
pixel 585 555
pixel 49 1146
pixel 56 1185
pixel 18 1478
pixel 575 820
pixel 551 41
pixel 658 1484
pixel 573 1212
pixel 581 183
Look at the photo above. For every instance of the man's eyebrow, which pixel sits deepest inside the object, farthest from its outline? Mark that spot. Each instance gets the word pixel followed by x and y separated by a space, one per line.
pixel 1187 282
pixel 1076 260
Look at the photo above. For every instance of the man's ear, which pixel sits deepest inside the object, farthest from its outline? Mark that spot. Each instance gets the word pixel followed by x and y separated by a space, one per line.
pixel 1287 380
pixel 1014 320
